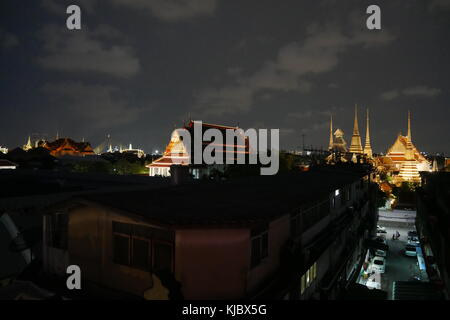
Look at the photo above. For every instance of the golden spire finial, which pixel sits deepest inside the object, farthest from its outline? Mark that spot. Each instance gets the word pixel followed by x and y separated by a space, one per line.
pixel 409 126
pixel 355 125
pixel 330 146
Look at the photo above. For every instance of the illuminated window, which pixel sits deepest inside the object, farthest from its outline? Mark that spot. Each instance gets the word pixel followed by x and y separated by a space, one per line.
pixel 303 284
pixel 308 277
pixel 336 193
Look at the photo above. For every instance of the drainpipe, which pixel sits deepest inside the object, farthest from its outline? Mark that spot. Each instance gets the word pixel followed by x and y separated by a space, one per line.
pixel 11 227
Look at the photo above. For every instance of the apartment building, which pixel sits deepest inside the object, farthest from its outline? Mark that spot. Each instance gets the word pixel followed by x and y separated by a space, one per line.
pixel 289 236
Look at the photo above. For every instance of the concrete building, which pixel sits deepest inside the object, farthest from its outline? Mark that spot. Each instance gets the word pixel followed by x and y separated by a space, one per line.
pixel 433 226
pixel 296 236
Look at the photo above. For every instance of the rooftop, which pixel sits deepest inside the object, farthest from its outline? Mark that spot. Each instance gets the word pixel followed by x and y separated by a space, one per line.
pixel 242 201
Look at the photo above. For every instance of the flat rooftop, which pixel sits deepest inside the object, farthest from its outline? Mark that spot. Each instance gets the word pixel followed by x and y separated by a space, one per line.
pixel 245 200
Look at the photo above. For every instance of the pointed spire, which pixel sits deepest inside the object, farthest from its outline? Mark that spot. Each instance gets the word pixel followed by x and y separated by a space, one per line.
pixel 28 146
pixel 409 126
pixel 355 124
pixel 355 146
pixel 367 146
pixel 409 146
pixel 57 135
pixel 330 146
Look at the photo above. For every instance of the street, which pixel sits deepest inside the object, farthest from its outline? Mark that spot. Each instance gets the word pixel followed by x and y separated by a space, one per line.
pixel 398 266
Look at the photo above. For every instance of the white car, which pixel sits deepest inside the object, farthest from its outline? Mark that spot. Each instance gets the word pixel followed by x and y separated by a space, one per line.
pixel 410 250
pixel 380 253
pixel 373 284
pixel 378 264
pixel 381 229
pixel 413 240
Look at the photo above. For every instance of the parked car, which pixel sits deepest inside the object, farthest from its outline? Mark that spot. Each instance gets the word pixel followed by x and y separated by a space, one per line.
pixel 410 250
pixel 381 229
pixel 381 239
pixel 412 234
pixel 378 264
pixel 380 253
pixel 413 240
pixel 373 284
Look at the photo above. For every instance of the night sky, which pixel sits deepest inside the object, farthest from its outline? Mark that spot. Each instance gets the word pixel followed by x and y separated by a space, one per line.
pixel 139 68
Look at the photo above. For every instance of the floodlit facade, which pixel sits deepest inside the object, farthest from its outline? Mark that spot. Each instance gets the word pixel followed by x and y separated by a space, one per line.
pixel 403 157
pixel 178 153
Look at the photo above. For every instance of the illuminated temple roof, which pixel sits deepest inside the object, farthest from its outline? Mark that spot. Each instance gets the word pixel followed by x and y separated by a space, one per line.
pixel 66 146
pixel 177 153
pixel 397 152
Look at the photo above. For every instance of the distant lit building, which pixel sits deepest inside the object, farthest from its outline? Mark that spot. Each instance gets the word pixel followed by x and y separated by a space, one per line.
pixel 67 146
pixel 177 152
pixel 137 152
pixel 339 152
pixel 28 145
pixel 404 159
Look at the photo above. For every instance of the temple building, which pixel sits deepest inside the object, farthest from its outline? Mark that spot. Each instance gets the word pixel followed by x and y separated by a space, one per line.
pixel 178 153
pixel 137 152
pixel 355 146
pixel 28 145
pixel 404 159
pixel 66 146
pixel 337 143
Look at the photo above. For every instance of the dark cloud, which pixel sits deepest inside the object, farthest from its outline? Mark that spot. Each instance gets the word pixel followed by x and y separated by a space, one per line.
pixel 8 40
pixel 421 91
pixel 102 105
pixel 86 51
pixel 172 10
pixel 418 91
pixel 318 53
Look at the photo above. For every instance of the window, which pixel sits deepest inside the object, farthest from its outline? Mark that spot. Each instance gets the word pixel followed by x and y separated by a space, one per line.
pixel 308 278
pixel 142 247
pixel 303 284
pixel 162 258
pixel 265 245
pixel 141 255
pixel 260 248
pixel 121 249
pixel 56 230
pixel 256 252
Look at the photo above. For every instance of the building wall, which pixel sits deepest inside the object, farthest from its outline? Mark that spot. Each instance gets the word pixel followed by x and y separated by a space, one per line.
pixel 91 247
pixel 212 263
pixel 279 230
pixel 209 263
